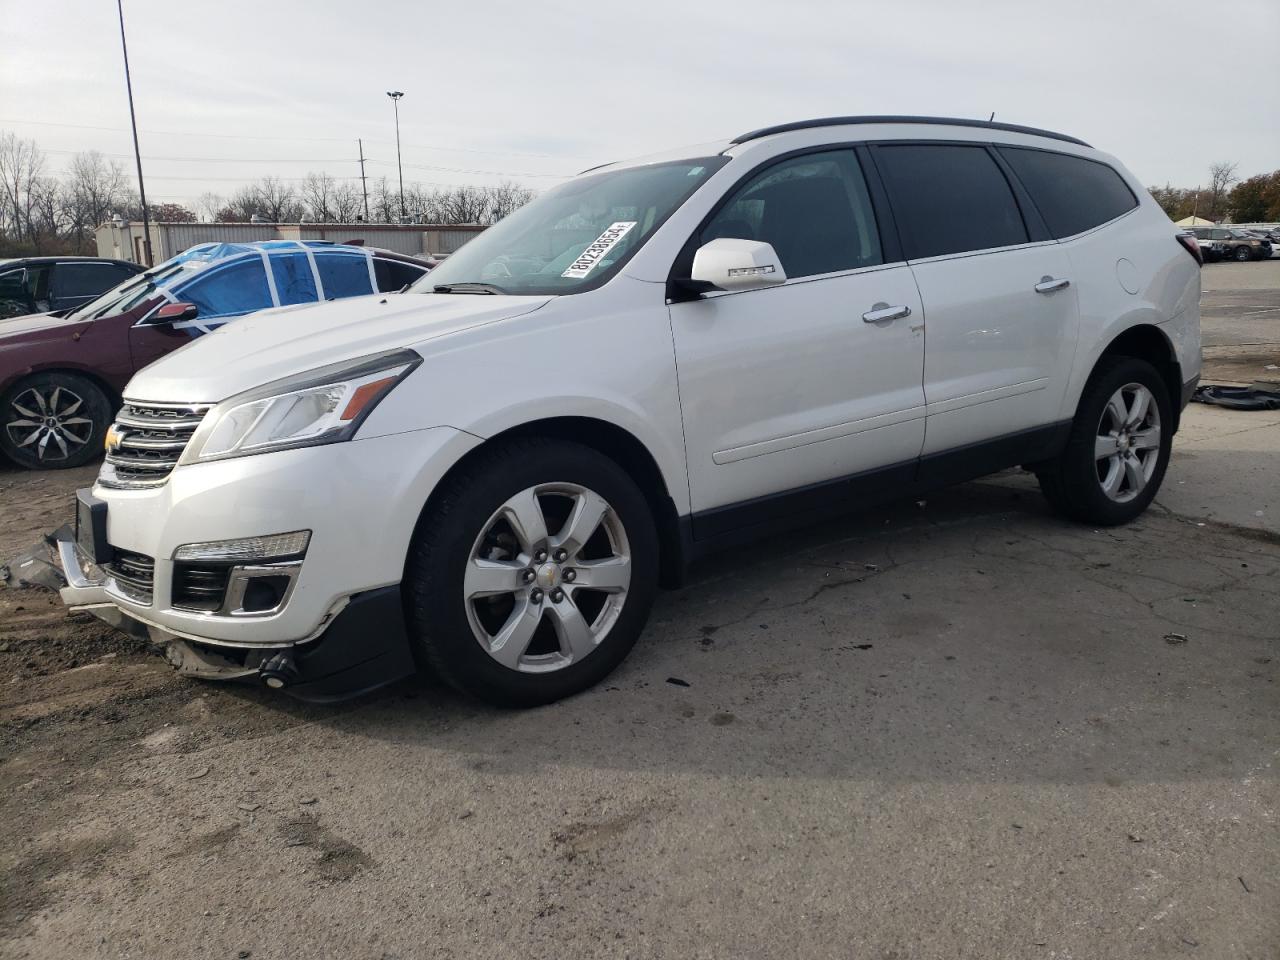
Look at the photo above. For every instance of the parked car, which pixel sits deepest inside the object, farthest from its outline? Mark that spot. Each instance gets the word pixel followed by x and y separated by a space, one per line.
pixel 1212 242
pixel 61 374
pixel 1227 243
pixel 492 473
pixel 57 284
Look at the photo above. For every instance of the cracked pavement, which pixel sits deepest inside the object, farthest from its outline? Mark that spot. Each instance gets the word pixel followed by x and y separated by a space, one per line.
pixel 962 728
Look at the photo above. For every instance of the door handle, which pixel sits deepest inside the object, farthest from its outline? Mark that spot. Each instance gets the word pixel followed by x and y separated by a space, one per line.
pixel 1049 284
pixel 882 312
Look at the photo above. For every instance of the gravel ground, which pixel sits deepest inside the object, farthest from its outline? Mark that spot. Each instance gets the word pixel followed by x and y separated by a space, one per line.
pixel 954 728
pixel 1241 322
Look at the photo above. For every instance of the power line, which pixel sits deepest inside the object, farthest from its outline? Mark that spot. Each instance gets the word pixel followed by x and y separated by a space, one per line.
pixel 320 160
pixel 216 159
pixel 245 136
pixel 488 173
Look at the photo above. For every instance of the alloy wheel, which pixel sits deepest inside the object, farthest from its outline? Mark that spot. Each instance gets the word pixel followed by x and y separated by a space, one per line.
pixel 547 577
pixel 48 422
pixel 1127 447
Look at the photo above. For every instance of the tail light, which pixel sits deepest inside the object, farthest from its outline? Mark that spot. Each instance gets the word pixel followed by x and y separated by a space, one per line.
pixel 1192 246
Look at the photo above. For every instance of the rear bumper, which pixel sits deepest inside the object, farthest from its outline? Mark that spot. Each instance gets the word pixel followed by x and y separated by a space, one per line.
pixel 1188 389
pixel 365 646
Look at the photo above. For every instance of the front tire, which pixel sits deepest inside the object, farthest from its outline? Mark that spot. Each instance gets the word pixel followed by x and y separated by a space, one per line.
pixel 1118 449
pixel 53 421
pixel 531 575
pixel 1243 255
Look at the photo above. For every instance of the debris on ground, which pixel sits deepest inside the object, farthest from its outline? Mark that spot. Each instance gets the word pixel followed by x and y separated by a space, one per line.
pixel 34 567
pixel 1256 397
pixel 1172 638
pixel 676 681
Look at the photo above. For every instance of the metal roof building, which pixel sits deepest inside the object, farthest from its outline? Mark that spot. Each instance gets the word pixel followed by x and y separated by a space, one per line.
pixel 123 240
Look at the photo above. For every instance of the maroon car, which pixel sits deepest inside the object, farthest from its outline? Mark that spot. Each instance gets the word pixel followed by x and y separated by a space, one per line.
pixel 61 376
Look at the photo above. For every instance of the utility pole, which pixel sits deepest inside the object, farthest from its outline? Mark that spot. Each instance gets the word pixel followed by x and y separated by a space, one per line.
pixel 137 153
pixel 395 96
pixel 364 187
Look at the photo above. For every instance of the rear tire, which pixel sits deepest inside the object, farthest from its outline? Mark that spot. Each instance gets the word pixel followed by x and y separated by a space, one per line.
pixel 532 574
pixel 53 421
pixel 1118 449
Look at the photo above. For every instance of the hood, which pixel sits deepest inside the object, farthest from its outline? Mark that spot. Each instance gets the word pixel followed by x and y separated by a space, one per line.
pixel 36 328
pixel 272 344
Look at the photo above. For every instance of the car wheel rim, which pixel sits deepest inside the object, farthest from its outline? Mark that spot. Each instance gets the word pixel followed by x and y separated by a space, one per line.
pixel 547 577
pixel 48 423
pixel 1127 446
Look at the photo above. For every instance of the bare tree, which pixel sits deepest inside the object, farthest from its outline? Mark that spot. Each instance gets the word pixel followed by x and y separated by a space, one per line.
pixel 278 201
pixel 208 206
pixel 23 182
pixel 506 198
pixel 384 202
pixel 348 202
pixel 93 189
pixel 240 207
pixel 1221 177
pixel 318 196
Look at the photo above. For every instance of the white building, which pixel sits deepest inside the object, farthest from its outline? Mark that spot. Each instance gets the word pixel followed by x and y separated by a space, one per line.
pixel 122 240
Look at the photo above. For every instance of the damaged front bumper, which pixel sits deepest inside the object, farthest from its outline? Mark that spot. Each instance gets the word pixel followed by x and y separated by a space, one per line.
pixel 364 646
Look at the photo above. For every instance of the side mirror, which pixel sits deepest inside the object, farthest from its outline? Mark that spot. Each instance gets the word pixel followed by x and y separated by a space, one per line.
pixel 730 264
pixel 173 312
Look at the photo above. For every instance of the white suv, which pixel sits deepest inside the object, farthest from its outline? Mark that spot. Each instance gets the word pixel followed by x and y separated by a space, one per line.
pixel 490 474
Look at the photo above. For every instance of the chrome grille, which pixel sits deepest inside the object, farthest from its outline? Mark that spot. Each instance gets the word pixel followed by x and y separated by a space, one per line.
pixel 132 575
pixel 149 439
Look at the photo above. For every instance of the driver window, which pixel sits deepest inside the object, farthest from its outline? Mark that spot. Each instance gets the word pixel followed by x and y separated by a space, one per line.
pixel 814 210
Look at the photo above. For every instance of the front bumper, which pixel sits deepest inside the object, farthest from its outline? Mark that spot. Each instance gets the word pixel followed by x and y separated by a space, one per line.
pixel 341 630
pixel 365 646
pixel 360 500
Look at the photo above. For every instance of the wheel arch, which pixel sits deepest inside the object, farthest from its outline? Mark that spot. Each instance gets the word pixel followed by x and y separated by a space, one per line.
pixel 1148 342
pixel 624 448
pixel 112 393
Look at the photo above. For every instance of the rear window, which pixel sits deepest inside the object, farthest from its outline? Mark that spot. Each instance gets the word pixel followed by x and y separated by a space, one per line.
pixel 1072 194
pixel 394 274
pixel 949 199
pixel 294 280
pixel 343 274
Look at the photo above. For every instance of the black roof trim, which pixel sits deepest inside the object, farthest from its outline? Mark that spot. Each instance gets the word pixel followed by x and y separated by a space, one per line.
pixel 940 121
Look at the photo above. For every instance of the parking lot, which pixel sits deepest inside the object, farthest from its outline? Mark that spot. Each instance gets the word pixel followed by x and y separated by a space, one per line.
pixel 958 727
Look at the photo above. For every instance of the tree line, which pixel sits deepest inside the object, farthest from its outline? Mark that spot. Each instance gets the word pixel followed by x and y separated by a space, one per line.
pixel 1224 197
pixel 47 212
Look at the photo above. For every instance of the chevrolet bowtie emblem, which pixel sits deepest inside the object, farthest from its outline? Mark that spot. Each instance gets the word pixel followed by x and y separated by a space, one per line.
pixel 113 439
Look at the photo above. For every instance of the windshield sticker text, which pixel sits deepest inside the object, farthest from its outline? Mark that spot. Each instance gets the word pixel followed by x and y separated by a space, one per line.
pixel 597 249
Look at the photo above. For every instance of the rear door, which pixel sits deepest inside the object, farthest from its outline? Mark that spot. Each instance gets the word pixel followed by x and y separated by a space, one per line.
pixel 790 397
pixel 1001 312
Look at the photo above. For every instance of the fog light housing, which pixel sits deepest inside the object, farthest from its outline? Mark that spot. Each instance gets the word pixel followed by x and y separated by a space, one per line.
pixel 265 592
pixel 276 546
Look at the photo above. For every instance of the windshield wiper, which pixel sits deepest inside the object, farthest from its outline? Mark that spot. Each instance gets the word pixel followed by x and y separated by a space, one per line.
pixel 467 288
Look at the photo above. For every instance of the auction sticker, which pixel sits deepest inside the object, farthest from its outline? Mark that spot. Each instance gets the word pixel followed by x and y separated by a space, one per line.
pixel 596 250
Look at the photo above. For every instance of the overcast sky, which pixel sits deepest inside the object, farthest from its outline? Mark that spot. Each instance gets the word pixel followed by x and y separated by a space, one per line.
pixel 231 91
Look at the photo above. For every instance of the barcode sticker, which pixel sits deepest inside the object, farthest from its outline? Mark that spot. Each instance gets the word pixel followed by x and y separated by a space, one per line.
pixel 596 250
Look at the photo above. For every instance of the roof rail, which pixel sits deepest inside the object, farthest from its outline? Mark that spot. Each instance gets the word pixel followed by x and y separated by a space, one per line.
pixel 940 121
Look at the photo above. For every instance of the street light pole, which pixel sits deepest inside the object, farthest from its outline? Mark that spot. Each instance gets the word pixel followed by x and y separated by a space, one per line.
pixel 137 153
pixel 395 96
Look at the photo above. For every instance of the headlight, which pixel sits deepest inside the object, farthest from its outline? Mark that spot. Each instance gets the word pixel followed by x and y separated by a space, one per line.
pixel 321 406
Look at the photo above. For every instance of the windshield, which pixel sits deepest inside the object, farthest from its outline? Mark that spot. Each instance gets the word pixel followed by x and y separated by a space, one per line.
pixel 574 237
pixel 129 294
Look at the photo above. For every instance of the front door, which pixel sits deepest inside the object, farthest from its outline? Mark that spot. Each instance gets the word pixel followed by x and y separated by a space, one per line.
pixel 789 395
